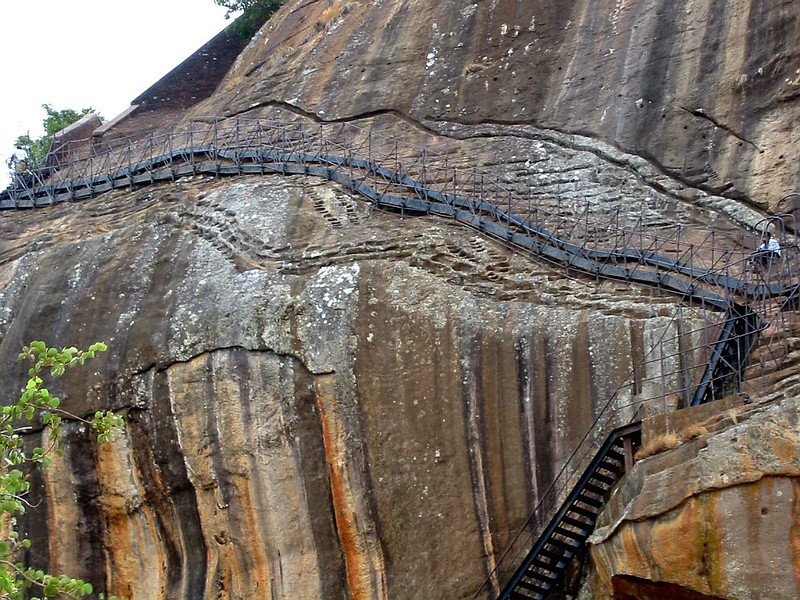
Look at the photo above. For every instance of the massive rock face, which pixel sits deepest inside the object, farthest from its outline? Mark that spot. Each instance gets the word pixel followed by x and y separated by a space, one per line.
pixel 715 518
pixel 707 90
pixel 324 400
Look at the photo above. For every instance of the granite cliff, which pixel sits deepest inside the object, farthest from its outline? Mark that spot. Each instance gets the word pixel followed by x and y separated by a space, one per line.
pixel 326 400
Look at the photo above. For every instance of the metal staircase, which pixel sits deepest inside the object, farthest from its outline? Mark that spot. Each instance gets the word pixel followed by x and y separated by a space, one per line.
pixel 725 371
pixel 543 568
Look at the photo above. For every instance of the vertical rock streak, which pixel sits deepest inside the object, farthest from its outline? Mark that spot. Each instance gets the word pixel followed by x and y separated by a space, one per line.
pixel 470 364
pixel 363 555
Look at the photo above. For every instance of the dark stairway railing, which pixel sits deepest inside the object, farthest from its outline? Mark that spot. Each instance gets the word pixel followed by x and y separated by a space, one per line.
pixel 543 568
pixel 725 370
pixel 514 221
pixel 541 572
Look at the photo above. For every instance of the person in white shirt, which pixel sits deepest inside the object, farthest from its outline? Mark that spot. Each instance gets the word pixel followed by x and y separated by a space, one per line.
pixel 769 249
pixel 18 163
pixel 19 160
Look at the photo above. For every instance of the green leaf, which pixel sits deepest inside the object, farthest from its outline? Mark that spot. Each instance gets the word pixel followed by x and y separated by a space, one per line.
pixel 17 581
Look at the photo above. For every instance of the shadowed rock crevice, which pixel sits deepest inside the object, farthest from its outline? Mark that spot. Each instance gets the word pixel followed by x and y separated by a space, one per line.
pixel 634 588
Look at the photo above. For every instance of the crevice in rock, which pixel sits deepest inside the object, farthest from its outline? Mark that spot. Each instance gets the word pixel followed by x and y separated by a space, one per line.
pixel 611 155
pixel 702 114
pixel 312 116
pixel 624 160
pixel 160 369
pixel 630 587
pixel 556 137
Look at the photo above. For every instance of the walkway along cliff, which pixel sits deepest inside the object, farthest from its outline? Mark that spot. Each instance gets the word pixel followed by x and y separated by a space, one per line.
pixel 746 307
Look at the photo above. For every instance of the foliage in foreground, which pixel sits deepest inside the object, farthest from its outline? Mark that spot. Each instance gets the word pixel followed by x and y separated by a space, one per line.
pixel 254 14
pixel 37 404
pixel 55 121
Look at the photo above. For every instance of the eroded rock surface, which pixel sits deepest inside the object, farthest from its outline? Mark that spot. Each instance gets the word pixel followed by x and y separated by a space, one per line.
pixel 714 518
pixel 706 90
pixel 323 400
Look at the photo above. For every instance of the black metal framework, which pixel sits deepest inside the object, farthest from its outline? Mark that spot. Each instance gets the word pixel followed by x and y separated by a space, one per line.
pixel 726 368
pixel 594 245
pixel 543 568
pixel 745 305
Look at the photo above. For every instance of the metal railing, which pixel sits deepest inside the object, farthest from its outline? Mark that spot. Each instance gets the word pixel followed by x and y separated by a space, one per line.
pixel 425 182
pixel 583 238
pixel 587 238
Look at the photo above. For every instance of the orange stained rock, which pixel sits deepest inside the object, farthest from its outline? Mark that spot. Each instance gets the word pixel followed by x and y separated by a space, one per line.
pixel 785 448
pixel 634 555
pixel 130 525
pixel 356 550
pixel 688 548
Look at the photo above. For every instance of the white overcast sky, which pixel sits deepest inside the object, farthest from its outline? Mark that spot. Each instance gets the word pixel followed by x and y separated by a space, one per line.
pixel 90 53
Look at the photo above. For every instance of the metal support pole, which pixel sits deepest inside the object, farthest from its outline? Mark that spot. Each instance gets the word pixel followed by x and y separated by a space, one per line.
pixel 627 445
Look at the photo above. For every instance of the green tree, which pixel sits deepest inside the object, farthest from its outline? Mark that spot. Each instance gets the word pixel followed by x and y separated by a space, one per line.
pixel 37 404
pixel 254 14
pixel 55 121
